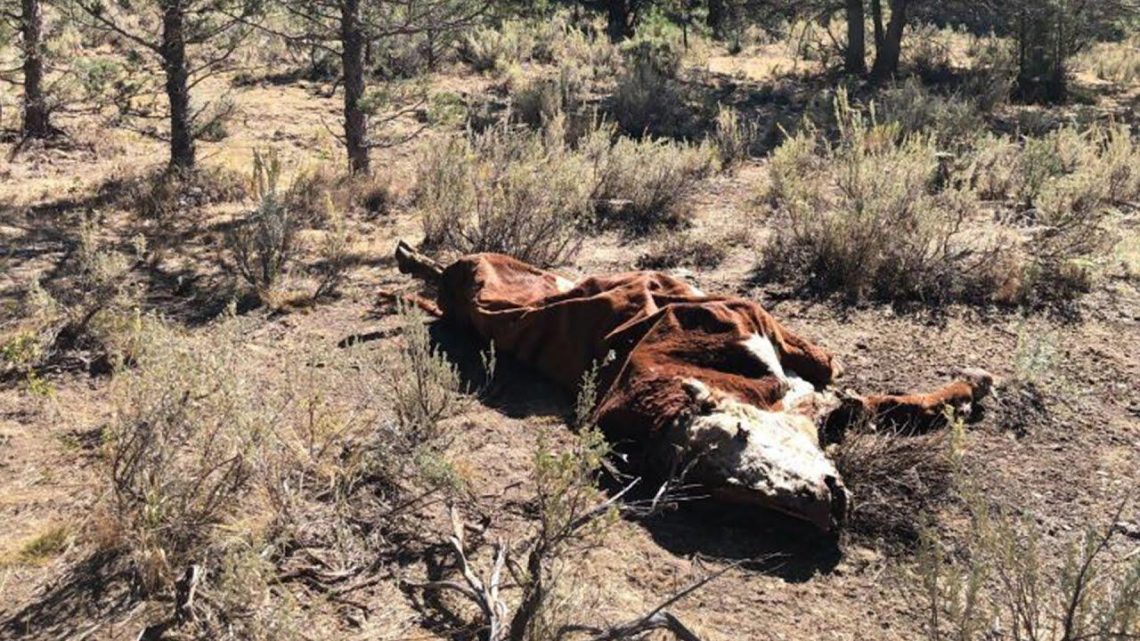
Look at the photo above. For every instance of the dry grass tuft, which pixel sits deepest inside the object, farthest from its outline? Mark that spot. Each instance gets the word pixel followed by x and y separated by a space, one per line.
pixel 41 548
pixel 896 481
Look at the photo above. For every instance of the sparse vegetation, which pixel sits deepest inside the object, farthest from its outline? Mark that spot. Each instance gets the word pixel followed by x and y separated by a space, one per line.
pixel 179 461
pixel 533 196
pixel 649 181
pixel 262 244
pixel 1004 583
pixel 508 191
pixel 734 138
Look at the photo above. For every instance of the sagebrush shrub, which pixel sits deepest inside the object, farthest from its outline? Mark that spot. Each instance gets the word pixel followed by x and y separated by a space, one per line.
pixel 544 98
pixel 952 121
pixel 683 250
pixel 505 190
pixel 496 49
pixel 166 193
pixel 649 97
pixel 532 195
pixel 1117 62
pixel 87 315
pixel 263 243
pixel 1003 583
pixel 1067 185
pixel 181 449
pixel 734 137
pixel 858 215
pixel 653 179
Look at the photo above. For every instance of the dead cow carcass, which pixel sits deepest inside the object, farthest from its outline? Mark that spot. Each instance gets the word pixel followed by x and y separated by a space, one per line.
pixel 713 384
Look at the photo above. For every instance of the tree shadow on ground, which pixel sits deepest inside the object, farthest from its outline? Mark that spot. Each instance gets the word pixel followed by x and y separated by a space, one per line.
pixel 93 592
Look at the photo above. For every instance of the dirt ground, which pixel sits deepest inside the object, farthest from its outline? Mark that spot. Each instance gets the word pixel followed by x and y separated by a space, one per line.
pixel 1065 454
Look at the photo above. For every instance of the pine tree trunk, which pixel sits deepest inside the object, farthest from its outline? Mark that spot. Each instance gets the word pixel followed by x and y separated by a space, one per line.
pixel 1041 74
pixel 887 56
pixel 36 124
pixel 716 17
pixel 618 25
pixel 855 62
pixel 877 21
pixel 352 61
pixel 177 84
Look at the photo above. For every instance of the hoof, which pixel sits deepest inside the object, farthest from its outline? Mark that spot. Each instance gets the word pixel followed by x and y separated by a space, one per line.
pixel 980 381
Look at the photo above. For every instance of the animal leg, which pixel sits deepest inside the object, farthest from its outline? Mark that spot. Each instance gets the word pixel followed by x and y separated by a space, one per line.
pixel 412 262
pixel 909 413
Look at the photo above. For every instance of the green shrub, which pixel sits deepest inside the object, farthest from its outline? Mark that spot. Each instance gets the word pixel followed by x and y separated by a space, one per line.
pixel 496 49
pixel 649 96
pixel 262 243
pixel 84 318
pixel 180 451
pixel 1067 185
pixel 952 121
pixel 547 97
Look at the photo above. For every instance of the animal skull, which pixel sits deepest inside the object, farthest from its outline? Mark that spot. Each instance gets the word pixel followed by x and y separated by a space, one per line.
pixel 757 457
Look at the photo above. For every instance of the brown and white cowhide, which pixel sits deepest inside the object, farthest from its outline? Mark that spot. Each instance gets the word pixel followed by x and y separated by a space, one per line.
pixel 711 383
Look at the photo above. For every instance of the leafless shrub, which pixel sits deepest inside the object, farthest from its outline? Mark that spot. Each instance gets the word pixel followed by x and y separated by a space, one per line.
pixel 897 481
pixel 1005 585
